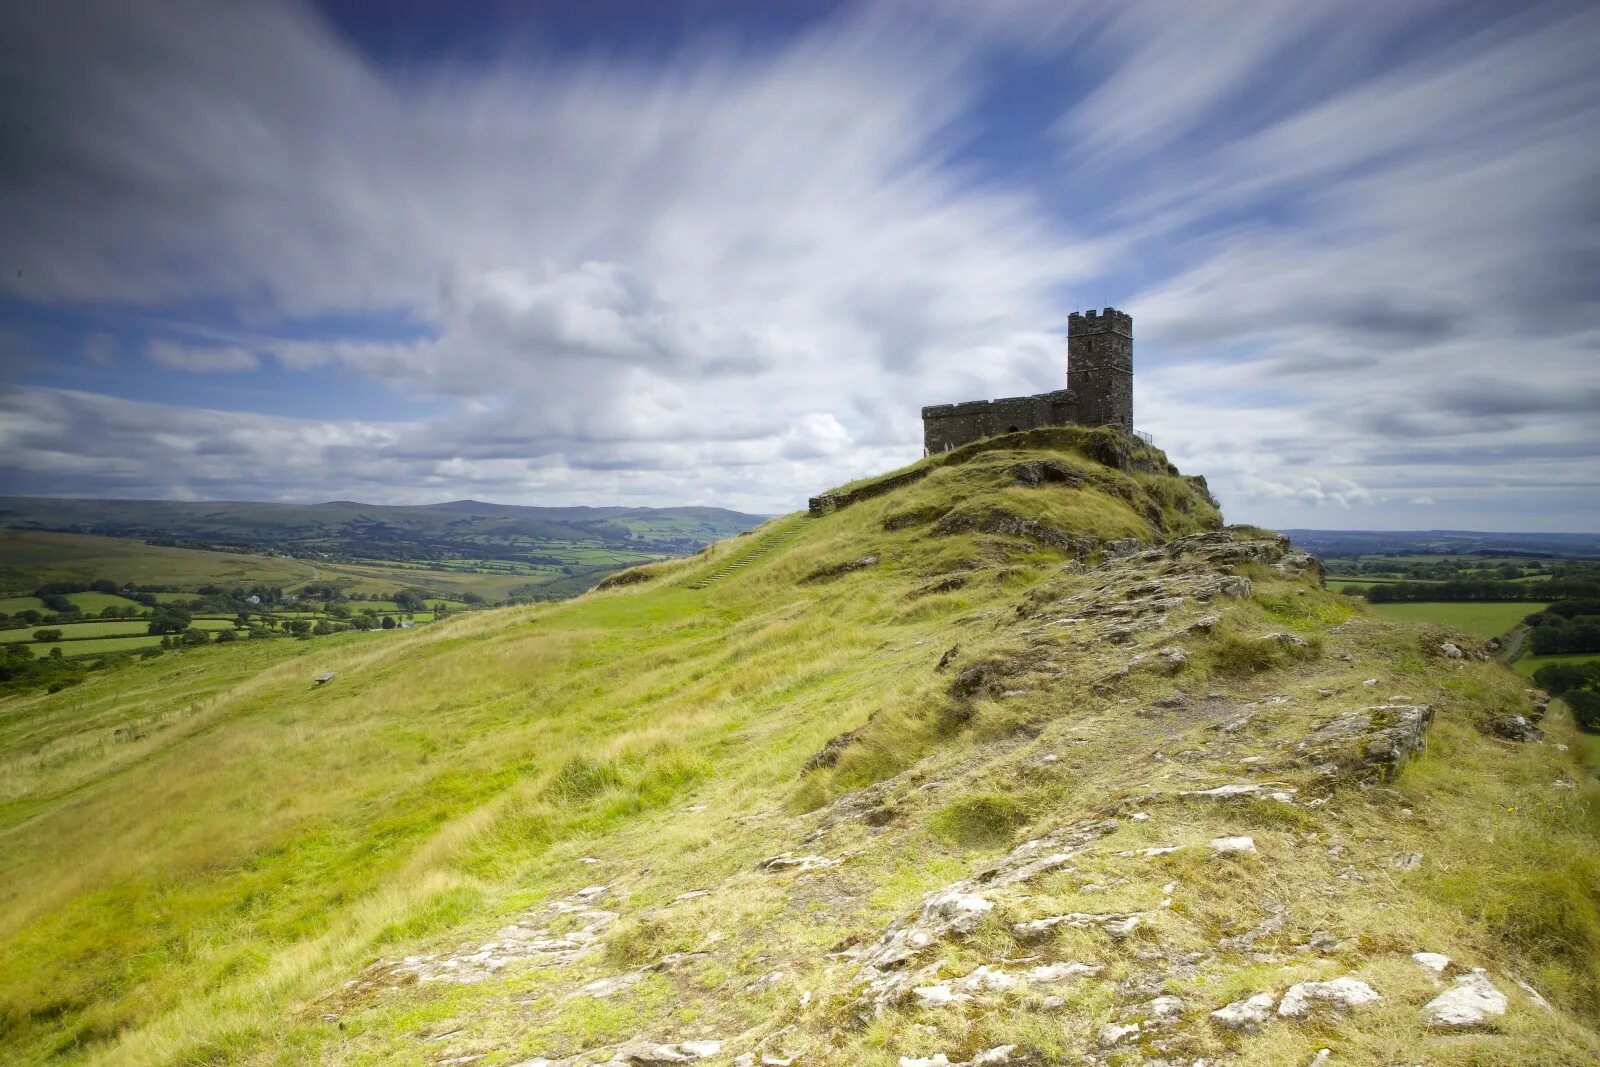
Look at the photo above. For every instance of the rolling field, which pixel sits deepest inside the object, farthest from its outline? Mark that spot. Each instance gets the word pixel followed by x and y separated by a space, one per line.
pixel 93 603
pixel 1481 618
pixel 30 558
pixel 70 630
pixel 96 646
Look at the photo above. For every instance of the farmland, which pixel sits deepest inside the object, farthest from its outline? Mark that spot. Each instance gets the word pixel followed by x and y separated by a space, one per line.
pixel 1481 618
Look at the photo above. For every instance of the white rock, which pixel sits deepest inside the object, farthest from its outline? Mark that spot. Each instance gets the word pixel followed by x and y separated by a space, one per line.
pixel 1323 1057
pixel 1370 682
pixel 937 996
pixel 965 911
pixel 1166 1008
pixel 1245 1014
pixel 994 1057
pixel 1059 972
pixel 987 979
pixel 936 1060
pixel 1406 861
pixel 788 862
pixel 1533 994
pixel 1432 961
pixel 1450 650
pixel 1339 993
pixel 1466 1004
pixel 1112 1034
pixel 1224 846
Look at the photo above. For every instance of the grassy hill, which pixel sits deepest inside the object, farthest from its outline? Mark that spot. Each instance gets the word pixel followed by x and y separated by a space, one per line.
pixel 931 774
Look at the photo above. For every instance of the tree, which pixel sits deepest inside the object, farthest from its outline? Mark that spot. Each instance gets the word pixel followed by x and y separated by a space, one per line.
pixel 169 619
pixel 224 636
pixel 388 622
pixel 1585 705
pixel 298 627
pixel 47 635
pixel 194 636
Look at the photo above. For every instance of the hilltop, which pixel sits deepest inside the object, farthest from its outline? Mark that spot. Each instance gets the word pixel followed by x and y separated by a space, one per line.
pixel 1015 756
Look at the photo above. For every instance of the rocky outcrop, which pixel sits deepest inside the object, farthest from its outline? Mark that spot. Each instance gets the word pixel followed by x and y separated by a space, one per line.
pixel 1370 743
pixel 835 570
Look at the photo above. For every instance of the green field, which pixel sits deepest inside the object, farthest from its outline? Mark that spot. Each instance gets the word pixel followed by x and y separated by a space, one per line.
pixel 31 558
pixel 92 603
pixel 70 630
pixel 1481 618
pixel 13 604
pixel 98 646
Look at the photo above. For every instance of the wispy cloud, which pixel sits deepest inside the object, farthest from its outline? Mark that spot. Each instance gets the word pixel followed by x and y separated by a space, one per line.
pixel 732 274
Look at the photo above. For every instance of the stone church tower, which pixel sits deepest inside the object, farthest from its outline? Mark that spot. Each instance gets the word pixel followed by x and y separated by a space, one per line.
pixel 1099 390
pixel 1100 367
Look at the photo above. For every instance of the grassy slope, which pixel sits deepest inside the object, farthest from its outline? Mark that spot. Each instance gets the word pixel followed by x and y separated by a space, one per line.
pixel 241 843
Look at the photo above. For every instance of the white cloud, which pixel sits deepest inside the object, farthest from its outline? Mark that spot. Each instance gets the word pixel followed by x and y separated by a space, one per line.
pixel 734 277
pixel 199 360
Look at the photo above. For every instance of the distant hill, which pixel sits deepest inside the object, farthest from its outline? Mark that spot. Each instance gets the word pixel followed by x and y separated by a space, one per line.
pixel 461 530
pixel 1445 543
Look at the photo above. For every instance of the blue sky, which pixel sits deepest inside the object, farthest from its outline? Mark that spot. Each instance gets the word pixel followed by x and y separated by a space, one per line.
pixel 720 253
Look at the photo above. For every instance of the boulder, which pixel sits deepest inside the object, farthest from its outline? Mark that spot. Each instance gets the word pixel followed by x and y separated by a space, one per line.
pixel 1245 1014
pixel 1372 742
pixel 1467 1004
pixel 1340 994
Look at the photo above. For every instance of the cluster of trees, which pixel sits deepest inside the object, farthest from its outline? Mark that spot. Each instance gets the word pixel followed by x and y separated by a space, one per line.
pixel 1575 683
pixel 1565 626
pixel 1407 592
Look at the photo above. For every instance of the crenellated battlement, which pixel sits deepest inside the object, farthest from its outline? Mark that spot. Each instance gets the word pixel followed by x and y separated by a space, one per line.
pixel 1092 321
pixel 1099 389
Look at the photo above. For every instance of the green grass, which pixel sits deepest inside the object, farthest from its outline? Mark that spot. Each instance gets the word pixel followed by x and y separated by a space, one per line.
pixel 1482 619
pixel 92 603
pixel 242 842
pixel 96 646
pixel 100 628
pixel 13 604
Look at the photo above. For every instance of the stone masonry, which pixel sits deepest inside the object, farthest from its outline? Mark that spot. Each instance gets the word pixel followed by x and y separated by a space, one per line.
pixel 1099 390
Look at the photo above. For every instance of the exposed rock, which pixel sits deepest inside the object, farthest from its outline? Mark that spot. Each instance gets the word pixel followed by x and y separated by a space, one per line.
pixel 643 1053
pixel 1339 993
pixel 1449 650
pixel 1004 523
pixel 1048 471
pixel 1435 962
pixel 1516 728
pixel 828 755
pixel 971 680
pixel 834 570
pixel 789 862
pixel 631 576
pixel 1374 741
pixel 1227 846
pixel 1236 586
pixel 1406 861
pixel 1245 1014
pixel 948 584
pixel 948 657
pixel 1283 638
pixel 1117 925
pixel 1113 1034
pixel 1465 1005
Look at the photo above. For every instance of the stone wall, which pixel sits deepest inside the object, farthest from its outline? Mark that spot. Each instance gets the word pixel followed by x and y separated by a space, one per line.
pixel 947 426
